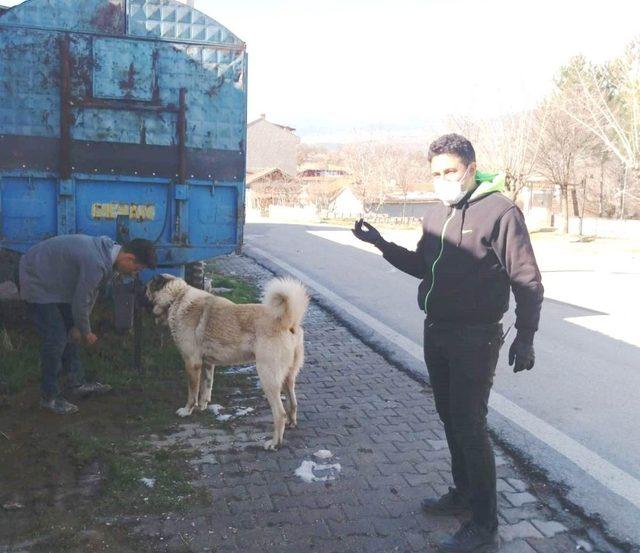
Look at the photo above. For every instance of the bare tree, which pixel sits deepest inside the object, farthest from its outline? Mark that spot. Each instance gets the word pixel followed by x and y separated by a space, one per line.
pixel 363 162
pixel 605 100
pixel 313 152
pixel 508 144
pixel 381 168
pixel 563 145
pixel 410 168
pixel 285 192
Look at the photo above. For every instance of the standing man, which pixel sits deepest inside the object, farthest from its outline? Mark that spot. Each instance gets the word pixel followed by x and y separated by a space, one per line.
pixel 475 247
pixel 59 279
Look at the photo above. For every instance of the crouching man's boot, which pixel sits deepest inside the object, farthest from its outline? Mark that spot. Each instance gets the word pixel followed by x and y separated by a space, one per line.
pixel 58 405
pixel 471 538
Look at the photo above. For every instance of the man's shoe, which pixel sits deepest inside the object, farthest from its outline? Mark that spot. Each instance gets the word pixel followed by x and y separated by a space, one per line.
pixel 59 406
pixel 471 538
pixel 451 503
pixel 90 388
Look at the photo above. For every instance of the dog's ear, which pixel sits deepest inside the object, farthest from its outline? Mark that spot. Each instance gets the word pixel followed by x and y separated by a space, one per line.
pixel 158 282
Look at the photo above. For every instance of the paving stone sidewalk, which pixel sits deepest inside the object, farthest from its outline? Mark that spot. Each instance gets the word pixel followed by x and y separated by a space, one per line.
pixel 388 452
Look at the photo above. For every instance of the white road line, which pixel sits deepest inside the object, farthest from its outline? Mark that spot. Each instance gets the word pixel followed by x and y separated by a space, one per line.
pixel 612 477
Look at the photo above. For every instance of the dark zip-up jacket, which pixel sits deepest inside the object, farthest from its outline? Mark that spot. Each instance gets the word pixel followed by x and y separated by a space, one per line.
pixel 468 257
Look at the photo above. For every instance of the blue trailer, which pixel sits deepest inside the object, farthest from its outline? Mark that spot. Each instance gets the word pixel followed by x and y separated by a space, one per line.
pixel 124 118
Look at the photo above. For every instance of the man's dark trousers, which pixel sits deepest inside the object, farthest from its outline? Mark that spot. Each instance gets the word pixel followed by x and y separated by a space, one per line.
pixel 58 354
pixel 461 361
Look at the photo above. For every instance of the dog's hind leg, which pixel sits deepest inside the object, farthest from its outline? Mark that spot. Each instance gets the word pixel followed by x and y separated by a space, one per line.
pixel 292 404
pixel 193 384
pixel 272 390
pixel 206 383
pixel 290 383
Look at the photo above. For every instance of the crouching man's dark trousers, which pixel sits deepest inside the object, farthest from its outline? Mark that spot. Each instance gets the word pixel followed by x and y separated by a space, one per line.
pixel 461 361
pixel 58 356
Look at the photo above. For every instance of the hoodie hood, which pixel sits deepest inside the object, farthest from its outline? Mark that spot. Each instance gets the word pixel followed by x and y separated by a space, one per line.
pixel 487 183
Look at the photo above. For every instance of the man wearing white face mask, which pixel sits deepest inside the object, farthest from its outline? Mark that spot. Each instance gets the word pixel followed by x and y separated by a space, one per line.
pixel 475 247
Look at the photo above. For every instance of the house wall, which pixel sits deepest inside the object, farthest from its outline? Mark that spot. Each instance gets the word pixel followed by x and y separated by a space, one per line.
pixel 269 145
pixel 346 205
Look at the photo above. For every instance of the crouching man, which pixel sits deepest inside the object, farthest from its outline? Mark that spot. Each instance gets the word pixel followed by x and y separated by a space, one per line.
pixel 475 248
pixel 59 279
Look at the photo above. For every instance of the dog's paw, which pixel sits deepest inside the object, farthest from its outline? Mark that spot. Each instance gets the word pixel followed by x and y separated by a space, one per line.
pixel 184 412
pixel 270 445
pixel 292 423
pixel 202 406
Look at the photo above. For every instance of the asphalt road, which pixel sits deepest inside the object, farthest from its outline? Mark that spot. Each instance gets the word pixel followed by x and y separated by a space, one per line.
pixel 584 385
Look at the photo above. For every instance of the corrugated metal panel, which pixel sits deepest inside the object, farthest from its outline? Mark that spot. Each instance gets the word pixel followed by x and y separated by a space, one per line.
pixel 161 19
pixel 123 69
pixel 95 16
pixel 29 83
pixel 171 20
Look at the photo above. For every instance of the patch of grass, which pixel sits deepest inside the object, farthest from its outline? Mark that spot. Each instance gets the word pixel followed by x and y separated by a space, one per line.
pixel 20 365
pixel 241 290
pixel 86 448
pixel 171 489
pixel 125 464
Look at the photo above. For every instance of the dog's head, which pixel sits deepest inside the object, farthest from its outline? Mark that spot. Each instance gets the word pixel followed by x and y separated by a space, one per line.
pixel 161 290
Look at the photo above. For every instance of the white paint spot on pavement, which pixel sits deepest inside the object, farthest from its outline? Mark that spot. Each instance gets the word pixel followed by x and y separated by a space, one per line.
pixel 323 454
pixel 217 409
pixel 241 370
pixel 311 471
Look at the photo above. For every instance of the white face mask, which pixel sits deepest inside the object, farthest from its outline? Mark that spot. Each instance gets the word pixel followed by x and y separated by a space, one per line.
pixel 449 191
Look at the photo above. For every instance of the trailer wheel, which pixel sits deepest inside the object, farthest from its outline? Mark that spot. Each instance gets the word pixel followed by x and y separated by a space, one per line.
pixel 194 274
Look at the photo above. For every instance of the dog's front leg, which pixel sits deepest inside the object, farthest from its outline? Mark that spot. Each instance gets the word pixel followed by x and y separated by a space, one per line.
pixel 193 385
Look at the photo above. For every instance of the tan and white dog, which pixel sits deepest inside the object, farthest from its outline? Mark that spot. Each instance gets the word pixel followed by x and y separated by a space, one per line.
pixel 210 330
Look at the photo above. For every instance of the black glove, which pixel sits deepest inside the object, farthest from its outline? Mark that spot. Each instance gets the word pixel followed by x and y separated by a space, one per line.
pixel 368 233
pixel 521 352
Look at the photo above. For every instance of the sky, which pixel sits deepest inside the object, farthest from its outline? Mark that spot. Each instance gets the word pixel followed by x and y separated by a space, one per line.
pixel 342 69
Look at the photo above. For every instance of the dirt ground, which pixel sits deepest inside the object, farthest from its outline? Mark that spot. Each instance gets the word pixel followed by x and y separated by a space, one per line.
pixel 59 476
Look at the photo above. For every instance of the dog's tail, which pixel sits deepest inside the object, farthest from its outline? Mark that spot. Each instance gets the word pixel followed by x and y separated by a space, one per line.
pixel 288 300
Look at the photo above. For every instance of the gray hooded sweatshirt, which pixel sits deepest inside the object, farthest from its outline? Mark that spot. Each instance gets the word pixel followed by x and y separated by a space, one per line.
pixel 67 269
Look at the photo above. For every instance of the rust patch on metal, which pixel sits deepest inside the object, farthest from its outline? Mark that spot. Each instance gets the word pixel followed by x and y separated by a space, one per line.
pixel 66 120
pixel 109 18
pixel 127 84
pixel 181 129
pixel 214 88
pixel 143 132
pixel 155 91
